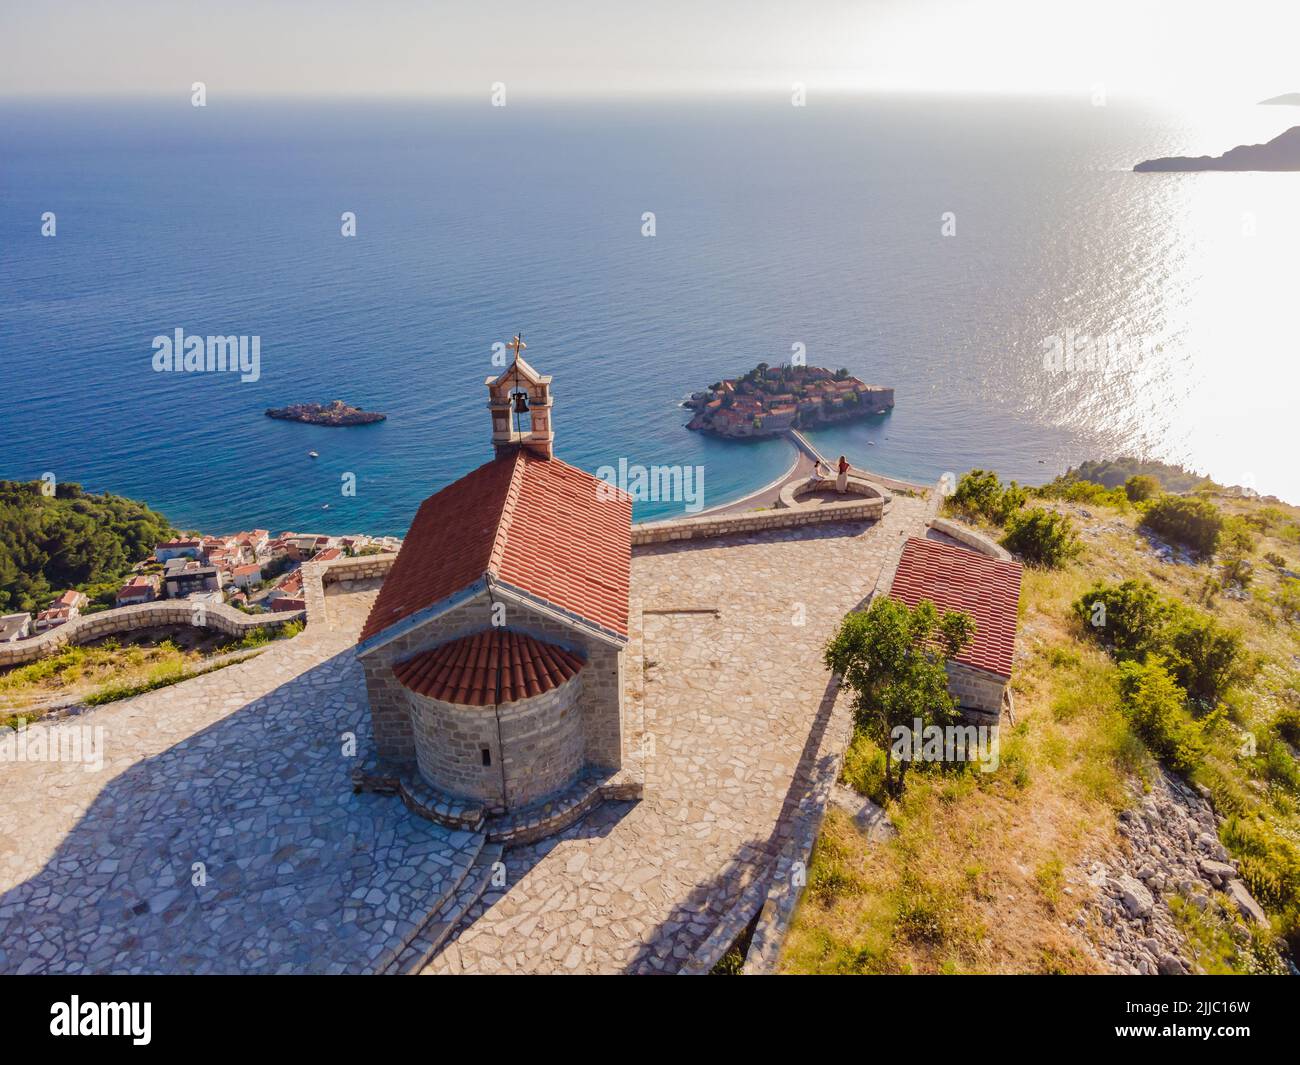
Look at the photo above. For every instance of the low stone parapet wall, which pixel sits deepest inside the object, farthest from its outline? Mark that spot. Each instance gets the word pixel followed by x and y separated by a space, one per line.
pixel 704 527
pixel 216 616
pixel 971 538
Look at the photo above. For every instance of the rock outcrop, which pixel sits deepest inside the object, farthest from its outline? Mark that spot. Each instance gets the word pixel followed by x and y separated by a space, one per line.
pixel 1171 848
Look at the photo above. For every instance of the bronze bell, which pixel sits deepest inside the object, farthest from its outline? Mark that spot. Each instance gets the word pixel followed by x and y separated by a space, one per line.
pixel 521 402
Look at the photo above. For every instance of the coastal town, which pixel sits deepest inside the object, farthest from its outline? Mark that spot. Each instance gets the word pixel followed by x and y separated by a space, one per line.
pixel 769 400
pixel 251 571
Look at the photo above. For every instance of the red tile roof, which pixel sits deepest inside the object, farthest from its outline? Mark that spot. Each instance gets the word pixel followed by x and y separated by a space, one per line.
pixel 487 668
pixel 545 527
pixel 953 578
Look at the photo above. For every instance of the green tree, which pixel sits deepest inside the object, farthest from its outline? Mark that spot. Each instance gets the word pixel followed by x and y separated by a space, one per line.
pixel 1141 487
pixel 1192 522
pixel 892 659
pixel 1128 618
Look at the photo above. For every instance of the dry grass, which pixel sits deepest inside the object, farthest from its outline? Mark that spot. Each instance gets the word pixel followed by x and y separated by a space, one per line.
pixel 985 874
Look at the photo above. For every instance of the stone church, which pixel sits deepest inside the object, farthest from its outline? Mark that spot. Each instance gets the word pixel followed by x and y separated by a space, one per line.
pixel 494 653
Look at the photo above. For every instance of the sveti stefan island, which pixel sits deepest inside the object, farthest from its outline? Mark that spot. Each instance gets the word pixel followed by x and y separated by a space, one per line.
pixel 792 518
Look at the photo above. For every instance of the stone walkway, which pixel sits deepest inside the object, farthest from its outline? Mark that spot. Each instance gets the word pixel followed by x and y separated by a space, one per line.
pixel 735 704
pixel 243 771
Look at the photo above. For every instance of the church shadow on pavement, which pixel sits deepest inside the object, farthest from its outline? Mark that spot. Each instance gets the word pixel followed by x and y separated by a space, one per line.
pixel 241 848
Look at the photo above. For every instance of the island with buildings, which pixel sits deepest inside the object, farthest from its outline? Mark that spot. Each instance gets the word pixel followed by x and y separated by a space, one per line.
pixel 336 413
pixel 768 400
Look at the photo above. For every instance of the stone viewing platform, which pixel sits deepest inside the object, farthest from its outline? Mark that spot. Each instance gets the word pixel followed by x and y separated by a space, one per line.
pixel 337 413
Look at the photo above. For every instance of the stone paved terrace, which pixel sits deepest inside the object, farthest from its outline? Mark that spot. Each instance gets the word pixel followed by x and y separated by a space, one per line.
pixel 737 702
pixel 242 770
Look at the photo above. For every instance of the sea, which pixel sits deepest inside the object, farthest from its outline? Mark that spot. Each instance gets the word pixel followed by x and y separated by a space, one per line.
pixel 1031 300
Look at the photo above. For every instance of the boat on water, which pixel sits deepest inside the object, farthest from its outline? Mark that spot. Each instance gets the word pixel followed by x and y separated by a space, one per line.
pixel 313 454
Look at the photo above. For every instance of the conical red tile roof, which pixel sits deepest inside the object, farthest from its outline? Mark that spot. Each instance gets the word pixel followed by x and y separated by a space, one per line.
pixel 487 668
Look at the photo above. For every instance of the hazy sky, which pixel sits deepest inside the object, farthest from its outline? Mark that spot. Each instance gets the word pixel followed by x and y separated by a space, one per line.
pixel 600 48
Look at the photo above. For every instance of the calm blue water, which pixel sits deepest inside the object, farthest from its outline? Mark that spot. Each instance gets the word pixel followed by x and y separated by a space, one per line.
pixel 775 226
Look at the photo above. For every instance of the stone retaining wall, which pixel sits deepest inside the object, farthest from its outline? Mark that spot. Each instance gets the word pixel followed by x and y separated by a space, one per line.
pixel 969 537
pixel 216 616
pixel 704 527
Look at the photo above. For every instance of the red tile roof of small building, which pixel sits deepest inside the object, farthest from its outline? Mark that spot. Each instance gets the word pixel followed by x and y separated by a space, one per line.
pixel 487 668
pixel 953 578
pixel 549 529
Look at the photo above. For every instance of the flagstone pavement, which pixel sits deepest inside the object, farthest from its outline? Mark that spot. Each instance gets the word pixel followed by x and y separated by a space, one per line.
pixel 222 834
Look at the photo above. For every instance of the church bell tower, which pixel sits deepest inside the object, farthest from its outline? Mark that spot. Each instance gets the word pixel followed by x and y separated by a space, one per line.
pixel 520 402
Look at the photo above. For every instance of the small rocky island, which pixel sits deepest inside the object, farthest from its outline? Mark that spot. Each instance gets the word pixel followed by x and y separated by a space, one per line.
pixel 336 413
pixel 1281 153
pixel 769 400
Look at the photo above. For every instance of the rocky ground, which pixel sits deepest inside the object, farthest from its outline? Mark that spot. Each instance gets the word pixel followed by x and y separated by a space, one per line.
pixel 1171 847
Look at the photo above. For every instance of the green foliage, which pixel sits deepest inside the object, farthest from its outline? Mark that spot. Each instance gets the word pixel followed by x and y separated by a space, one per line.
pixel 1287 724
pixel 1270 866
pixel 1127 619
pixel 1134 622
pixel 68 540
pixel 1287 599
pixel 1041 537
pixel 1073 490
pixel 864 769
pixel 979 494
pixel 1114 474
pixel 1204 657
pixel 1141 487
pixel 892 659
pixel 1190 522
pixel 1155 705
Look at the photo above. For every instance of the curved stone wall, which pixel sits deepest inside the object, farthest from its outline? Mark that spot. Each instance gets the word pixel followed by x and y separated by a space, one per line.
pixel 856 508
pixel 856 489
pixel 540 749
pixel 216 616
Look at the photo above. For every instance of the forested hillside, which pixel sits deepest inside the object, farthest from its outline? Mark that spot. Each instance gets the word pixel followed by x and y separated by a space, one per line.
pixel 67 540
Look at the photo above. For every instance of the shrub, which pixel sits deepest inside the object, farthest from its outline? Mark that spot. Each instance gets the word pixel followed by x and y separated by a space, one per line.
pixel 1190 522
pixel 1275 560
pixel 1204 657
pixel 1288 724
pixel 1287 599
pixel 1153 702
pixel 1042 538
pixel 1073 490
pixel 979 494
pixel 1141 487
pixel 1128 619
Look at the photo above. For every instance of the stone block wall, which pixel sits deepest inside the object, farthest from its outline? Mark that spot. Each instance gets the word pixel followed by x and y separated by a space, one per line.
pixel 703 527
pixel 976 689
pixel 598 699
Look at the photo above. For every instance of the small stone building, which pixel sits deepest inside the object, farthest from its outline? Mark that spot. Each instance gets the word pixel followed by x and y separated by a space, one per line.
pixel 955 578
pixel 493 654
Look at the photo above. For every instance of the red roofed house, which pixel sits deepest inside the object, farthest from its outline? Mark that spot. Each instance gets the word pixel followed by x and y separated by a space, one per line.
pixel 493 654
pixel 954 578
